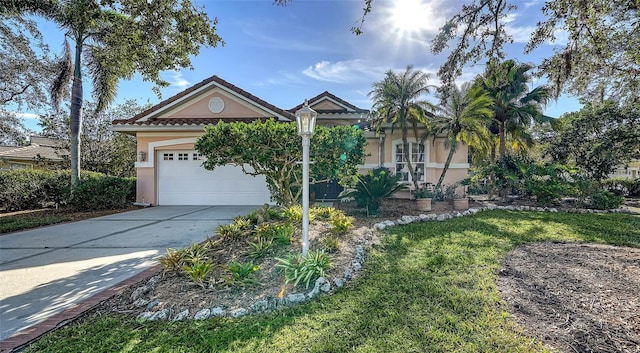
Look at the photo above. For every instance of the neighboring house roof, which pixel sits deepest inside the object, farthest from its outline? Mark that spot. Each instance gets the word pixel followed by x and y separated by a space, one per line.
pixel 40 147
pixel 152 116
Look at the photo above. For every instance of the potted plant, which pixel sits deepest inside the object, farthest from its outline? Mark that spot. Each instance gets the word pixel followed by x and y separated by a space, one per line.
pixel 423 199
pixel 460 199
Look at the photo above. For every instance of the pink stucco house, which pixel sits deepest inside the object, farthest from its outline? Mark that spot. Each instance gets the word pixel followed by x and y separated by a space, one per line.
pixel 169 169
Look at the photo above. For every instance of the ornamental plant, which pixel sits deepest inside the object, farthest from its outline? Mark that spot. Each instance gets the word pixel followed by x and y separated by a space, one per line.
pixel 273 149
pixel 373 187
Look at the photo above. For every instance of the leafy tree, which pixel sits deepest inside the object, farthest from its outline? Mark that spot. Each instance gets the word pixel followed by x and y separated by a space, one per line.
pixel 25 71
pixel 597 138
pixel 515 107
pixel 113 40
pixel 12 130
pixel 273 149
pixel 398 100
pixel 598 61
pixel 103 150
pixel 462 119
pixel 479 29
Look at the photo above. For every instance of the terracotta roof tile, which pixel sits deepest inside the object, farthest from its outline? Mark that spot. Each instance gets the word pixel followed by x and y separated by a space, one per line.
pixel 193 121
pixel 335 98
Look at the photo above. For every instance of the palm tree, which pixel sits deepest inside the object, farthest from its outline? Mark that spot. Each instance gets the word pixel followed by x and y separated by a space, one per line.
pixel 397 101
pixel 515 106
pixel 462 118
pixel 112 41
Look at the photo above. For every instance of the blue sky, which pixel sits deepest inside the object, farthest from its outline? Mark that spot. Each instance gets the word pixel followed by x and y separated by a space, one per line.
pixel 286 54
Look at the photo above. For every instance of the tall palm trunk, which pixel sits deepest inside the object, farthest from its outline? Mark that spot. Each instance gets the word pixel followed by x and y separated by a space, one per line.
pixel 447 163
pixel 76 117
pixel 501 131
pixel 407 158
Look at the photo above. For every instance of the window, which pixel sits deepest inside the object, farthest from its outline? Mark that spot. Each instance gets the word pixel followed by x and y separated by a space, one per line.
pixel 168 156
pixel 197 157
pixel 183 156
pixel 417 160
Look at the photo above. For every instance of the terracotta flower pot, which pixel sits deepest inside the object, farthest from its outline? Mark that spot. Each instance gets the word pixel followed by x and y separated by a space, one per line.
pixel 423 204
pixel 461 204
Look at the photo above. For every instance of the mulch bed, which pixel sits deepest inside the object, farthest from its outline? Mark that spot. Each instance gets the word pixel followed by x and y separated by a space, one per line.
pixel 575 297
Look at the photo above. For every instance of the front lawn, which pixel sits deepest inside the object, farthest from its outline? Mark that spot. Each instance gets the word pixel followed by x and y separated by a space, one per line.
pixel 431 287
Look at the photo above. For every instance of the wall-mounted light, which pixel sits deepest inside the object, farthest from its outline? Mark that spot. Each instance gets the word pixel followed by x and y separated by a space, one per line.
pixel 142 156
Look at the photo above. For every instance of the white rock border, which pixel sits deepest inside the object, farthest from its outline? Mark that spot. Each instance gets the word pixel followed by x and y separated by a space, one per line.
pixel 322 284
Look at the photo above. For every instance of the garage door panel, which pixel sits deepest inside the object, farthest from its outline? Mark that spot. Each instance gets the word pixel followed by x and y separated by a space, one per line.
pixel 183 181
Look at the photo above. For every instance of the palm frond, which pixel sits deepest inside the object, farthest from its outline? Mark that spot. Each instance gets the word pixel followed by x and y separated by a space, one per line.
pixel 64 69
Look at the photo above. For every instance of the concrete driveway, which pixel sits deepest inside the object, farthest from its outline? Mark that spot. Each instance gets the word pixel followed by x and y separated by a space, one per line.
pixel 47 270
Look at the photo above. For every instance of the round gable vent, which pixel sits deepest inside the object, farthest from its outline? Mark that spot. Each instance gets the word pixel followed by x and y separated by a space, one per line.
pixel 216 105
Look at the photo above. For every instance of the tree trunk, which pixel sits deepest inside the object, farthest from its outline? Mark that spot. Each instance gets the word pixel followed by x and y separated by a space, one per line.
pixel 407 158
pixel 76 118
pixel 452 150
pixel 503 146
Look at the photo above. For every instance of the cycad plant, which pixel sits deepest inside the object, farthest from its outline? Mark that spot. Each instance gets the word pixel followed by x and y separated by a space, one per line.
pixel 373 187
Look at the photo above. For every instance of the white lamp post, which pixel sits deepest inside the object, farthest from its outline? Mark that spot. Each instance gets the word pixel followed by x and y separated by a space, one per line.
pixel 306 120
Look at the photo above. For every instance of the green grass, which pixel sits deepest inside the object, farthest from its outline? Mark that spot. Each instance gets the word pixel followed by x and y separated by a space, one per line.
pixel 429 288
pixel 15 223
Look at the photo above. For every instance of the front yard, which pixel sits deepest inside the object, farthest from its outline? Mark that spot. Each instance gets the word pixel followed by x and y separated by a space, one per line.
pixel 429 287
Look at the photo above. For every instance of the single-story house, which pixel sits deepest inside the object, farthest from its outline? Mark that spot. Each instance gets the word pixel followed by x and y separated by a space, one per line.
pixel 40 152
pixel 169 170
pixel 629 171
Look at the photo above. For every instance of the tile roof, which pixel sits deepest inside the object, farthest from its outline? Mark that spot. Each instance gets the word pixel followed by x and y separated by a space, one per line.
pixel 193 121
pixel 213 79
pixel 327 94
pixel 31 152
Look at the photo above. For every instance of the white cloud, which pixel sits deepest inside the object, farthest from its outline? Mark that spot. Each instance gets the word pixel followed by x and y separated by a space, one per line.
pixel 177 80
pixel 343 71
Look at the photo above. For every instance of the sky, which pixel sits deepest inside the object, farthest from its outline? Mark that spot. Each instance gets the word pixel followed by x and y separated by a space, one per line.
pixel 285 54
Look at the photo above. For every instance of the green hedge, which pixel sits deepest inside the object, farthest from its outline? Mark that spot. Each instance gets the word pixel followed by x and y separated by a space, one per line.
pixel 103 192
pixel 26 189
pixel 623 186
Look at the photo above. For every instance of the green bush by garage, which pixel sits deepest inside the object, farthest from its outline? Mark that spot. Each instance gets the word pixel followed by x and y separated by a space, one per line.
pixel 27 189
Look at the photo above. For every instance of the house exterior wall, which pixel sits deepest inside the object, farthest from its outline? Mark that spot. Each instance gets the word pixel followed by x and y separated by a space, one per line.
pixel 151 143
pixel 199 108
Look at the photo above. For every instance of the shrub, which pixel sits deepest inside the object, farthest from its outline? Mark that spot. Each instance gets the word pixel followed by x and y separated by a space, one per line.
pixel 304 269
pixel 242 274
pixel 606 200
pixel 330 244
pixel 198 271
pixel 232 230
pixel 259 246
pixel 98 192
pixel 623 186
pixel 280 232
pixel 26 189
pixel 341 224
pixel 373 187
pixel 173 260
pixel 322 212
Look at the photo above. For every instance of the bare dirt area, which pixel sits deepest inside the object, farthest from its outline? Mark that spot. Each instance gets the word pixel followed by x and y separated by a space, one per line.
pixel 575 297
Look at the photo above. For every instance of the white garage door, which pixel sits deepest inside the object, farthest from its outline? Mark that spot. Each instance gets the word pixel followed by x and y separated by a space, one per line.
pixel 183 181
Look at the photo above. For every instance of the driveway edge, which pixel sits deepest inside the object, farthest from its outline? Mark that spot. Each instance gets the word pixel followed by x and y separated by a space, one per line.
pixel 21 339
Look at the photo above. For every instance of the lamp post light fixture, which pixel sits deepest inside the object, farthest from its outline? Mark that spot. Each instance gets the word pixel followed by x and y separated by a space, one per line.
pixel 306 120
